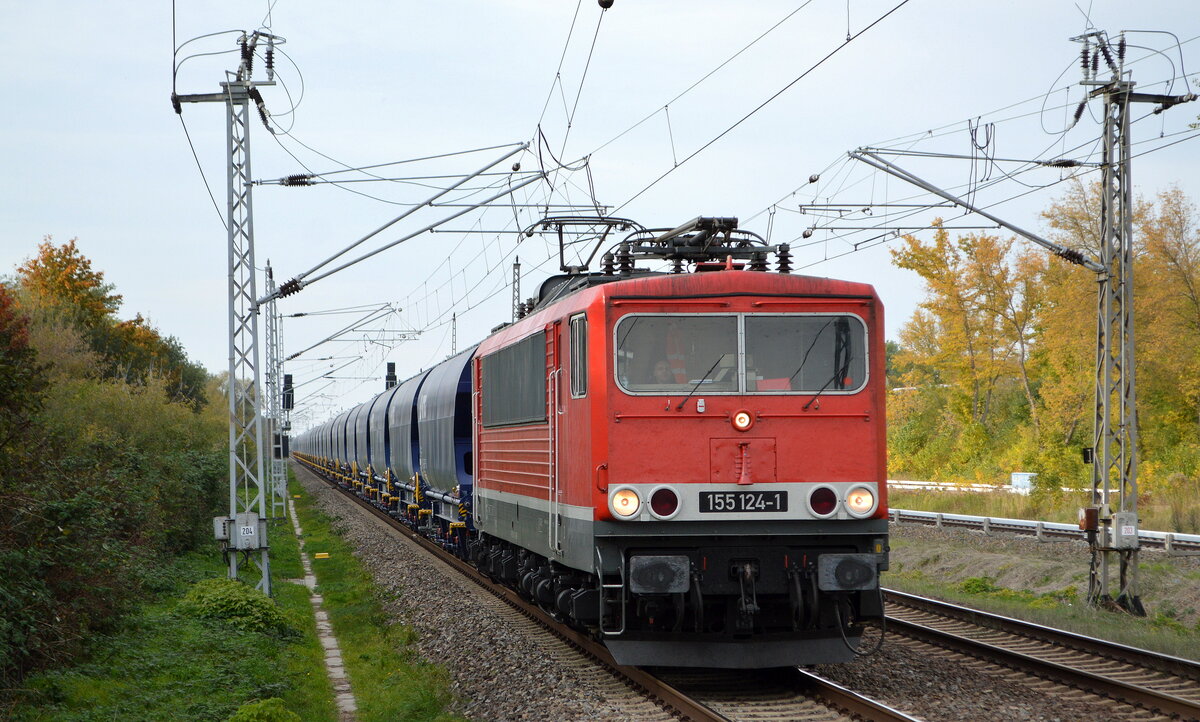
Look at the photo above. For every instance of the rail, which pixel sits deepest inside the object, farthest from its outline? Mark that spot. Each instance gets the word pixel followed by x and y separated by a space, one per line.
pixel 687 705
pixel 1138 677
pixel 1173 543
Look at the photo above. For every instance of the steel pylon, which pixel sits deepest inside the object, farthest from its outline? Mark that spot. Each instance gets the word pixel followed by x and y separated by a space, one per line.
pixel 277 417
pixel 246 487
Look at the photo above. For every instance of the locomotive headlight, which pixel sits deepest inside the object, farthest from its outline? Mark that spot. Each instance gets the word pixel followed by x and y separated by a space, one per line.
pixel 742 420
pixel 860 501
pixel 625 503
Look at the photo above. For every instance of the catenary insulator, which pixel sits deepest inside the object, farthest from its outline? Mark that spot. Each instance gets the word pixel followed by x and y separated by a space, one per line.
pixel 1070 254
pixel 247 57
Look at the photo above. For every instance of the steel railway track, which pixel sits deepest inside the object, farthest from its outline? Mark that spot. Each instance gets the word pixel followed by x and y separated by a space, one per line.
pixel 1159 683
pixel 708 696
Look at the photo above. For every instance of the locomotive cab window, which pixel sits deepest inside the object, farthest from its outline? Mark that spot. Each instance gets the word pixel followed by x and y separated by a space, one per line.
pixel 669 354
pixel 805 353
pixel 741 353
pixel 579 356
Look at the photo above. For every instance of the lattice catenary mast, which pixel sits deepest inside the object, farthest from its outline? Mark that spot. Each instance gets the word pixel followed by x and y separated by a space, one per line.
pixel 244 531
pixel 1114 452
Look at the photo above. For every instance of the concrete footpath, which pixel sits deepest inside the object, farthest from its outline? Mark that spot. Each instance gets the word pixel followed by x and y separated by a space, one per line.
pixel 333 654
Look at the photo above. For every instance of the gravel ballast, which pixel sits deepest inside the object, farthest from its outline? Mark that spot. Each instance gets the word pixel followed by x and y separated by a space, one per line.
pixel 505 668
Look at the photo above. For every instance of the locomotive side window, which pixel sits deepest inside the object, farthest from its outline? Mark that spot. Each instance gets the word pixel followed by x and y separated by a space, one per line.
pixel 514 383
pixel 579 356
pixel 805 353
pixel 670 354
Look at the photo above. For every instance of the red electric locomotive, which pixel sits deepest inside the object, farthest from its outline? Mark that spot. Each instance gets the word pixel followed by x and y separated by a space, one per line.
pixel 690 464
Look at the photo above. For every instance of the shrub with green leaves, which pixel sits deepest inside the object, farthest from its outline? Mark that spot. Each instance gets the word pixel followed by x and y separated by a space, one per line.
pixel 267 710
pixel 235 604
pixel 978 585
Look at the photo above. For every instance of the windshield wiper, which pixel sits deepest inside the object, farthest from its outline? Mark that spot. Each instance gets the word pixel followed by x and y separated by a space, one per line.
pixel 702 380
pixel 810 348
pixel 841 359
pixel 821 391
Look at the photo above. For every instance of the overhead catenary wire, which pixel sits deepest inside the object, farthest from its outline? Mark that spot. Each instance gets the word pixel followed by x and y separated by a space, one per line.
pixel 301 278
pixel 313 279
pixel 1031 164
pixel 703 78
pixel 370 317
pixel 762 105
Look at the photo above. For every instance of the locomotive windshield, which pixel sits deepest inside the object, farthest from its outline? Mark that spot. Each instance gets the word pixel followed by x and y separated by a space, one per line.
pixel 669 354
pixel 741 353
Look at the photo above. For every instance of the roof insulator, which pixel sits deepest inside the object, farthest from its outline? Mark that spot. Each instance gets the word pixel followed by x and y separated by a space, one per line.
pixel 783 255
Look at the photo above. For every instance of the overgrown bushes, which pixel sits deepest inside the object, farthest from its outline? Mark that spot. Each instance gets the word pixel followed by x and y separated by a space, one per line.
pixel 235 604
pixel 104 475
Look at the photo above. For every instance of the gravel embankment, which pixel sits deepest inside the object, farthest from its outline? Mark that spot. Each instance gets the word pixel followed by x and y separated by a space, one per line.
pixel 504 668
pixel 919 680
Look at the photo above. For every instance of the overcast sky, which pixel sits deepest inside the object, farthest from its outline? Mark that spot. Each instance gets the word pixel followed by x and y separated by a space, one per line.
pixel 93 150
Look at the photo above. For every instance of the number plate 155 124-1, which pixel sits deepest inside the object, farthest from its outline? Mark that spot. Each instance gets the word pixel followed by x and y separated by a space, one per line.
pixel 743 501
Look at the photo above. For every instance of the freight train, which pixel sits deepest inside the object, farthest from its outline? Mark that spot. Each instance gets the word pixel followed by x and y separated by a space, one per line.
pixel 688 463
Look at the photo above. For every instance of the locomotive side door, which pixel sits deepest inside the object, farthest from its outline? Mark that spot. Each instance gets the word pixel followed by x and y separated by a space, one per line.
pixel 554 413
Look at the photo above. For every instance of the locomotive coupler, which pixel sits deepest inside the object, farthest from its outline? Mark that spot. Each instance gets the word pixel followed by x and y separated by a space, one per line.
pixel 747 605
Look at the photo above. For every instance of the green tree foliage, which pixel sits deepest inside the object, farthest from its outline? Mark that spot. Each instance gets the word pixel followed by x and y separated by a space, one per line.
pixel 62 289
pixel 996 366
pixel 104 474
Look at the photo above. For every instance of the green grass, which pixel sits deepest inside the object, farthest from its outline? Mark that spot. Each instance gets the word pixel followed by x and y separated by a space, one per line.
pixel 388 679
pixel 160 665
pixel 1062 609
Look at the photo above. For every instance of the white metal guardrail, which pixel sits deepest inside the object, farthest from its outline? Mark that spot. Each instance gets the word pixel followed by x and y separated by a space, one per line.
pixel 1024 485
pixel 1043 530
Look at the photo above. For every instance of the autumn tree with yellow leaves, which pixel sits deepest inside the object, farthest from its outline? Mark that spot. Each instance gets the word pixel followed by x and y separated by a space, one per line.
pixel 64 292
pixel 999 358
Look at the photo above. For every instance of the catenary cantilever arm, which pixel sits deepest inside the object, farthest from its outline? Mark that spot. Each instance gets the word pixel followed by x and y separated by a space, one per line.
pixel 1068 254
